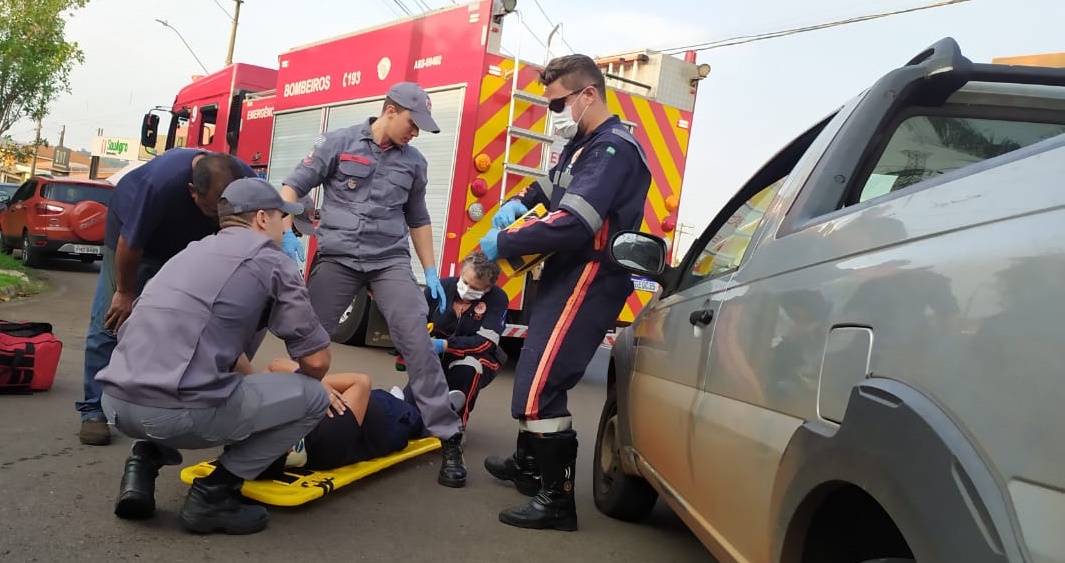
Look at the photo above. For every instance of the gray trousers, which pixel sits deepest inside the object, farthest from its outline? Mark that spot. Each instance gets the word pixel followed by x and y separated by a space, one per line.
pixel 266 414
pixel 332 287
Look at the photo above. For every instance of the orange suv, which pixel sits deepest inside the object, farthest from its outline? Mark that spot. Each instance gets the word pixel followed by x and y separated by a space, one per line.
pixel 56 217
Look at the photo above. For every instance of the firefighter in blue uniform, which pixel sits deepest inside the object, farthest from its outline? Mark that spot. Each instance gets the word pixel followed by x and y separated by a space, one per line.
pixel 598 188
pixel 374 185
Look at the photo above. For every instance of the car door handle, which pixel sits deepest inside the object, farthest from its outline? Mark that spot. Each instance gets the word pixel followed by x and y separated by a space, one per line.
pixel 702 317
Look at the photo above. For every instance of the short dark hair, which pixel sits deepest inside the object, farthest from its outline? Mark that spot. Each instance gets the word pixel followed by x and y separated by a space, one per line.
pixel 483 268
pixel 575 72
pixel 391 102
pixel 214 169
pixel 234 220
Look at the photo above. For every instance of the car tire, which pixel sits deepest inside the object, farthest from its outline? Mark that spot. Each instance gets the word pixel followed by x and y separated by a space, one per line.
pixel 30 258
pixel 618 495
pixel 352 327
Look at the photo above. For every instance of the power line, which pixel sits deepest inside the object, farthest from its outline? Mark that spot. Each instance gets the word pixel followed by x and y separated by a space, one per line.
pixel 423 5
pixel 390 7
pixel 533 33
pixel 402 6
pixel 741 39
pixel 228 15
pixel 546 17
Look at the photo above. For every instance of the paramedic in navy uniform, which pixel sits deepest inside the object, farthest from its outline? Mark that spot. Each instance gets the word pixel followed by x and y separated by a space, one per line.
pixel 155 211
pixel 598 188
pixel 466 334
pixel 180 377
pixel 374 195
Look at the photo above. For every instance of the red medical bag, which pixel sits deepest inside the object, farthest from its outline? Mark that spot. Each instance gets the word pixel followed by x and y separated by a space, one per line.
pixel 29 356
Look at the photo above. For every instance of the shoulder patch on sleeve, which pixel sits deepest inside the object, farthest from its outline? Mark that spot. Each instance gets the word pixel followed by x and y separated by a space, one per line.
pixel 610 150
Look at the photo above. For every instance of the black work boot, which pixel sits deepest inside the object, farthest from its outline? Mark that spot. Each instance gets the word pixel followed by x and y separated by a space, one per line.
pixel 452 469
pixel 136 493
pixel 553 506
pixel 519 468
pixel 218 507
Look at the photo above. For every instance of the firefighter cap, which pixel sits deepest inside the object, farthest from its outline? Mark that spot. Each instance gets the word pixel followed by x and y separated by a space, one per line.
pixel 253 194
pixel 413 98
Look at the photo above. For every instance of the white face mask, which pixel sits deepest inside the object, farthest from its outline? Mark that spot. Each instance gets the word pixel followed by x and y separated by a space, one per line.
pixel 565 125
pixel 467 294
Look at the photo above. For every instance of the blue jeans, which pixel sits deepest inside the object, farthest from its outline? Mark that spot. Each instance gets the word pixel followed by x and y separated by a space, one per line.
pixel 99 341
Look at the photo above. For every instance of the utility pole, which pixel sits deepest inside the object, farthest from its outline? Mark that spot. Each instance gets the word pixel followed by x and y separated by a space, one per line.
pixel 233 32
pixel 36 149
pixel 62 136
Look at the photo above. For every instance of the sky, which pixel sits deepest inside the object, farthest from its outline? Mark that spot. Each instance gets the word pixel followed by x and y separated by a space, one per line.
pixel 758 96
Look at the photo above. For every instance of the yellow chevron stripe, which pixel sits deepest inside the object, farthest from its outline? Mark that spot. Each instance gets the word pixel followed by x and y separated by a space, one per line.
pixel 682 135
pixel 658 142
pixel 656 194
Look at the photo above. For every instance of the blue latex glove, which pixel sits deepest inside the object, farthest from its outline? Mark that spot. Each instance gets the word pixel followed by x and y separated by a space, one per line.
pixel 432 281
pixel 292 247
pixel 508 213
pixel 489 245
pixel 439 344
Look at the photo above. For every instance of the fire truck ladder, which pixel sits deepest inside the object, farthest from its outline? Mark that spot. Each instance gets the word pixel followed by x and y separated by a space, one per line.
pixel 544 138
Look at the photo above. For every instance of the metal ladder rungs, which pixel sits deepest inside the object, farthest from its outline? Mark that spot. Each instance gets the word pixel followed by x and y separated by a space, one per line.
pixel 530 98
pixel 523 170
pixel 531 135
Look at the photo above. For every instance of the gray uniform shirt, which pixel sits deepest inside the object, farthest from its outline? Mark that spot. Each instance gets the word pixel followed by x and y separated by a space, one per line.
pixel 207 305
pixel 371 196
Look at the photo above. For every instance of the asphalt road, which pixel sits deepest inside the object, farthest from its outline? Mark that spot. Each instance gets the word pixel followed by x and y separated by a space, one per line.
pixel 56 496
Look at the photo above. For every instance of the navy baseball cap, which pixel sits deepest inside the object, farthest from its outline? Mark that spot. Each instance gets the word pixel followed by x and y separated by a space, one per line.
pixel 413 97
pixel 253 194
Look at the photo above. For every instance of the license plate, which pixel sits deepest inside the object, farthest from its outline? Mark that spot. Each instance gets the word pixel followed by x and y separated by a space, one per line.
pixel 86 249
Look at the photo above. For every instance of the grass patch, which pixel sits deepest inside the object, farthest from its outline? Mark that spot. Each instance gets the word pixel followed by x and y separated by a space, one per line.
pixel 9 262
pixel 13 285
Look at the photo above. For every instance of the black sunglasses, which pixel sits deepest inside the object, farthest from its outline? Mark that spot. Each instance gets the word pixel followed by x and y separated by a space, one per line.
pixel 558 104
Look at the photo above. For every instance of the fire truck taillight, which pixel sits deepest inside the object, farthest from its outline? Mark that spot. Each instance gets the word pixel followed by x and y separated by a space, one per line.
pixel 672 204
pixel 478 187
pixel 475 212
pixel 669 224
pixel 482 162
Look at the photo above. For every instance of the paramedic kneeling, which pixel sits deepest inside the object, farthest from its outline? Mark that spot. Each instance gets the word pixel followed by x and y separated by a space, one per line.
pixel 181 378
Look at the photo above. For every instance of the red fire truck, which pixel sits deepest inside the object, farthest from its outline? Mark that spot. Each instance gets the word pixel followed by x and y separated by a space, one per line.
pixel 495 128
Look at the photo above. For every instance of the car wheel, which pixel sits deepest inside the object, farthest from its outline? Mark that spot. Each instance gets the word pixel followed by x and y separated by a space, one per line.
pixel 30 257
pixel 618 495
pixel 352 327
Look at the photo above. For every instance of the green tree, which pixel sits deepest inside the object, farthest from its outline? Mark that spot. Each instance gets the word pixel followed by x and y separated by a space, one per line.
pixel 35 57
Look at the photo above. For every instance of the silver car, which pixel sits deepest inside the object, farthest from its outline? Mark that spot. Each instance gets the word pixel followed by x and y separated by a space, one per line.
pixel 861 357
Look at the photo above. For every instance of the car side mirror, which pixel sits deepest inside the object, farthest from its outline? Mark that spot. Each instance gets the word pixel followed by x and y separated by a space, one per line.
pixel 639 253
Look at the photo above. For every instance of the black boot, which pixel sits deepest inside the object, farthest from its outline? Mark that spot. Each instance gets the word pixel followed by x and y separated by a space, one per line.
pixel 216 506
pixel 452 469
pixel 553 506
pixel 136 493
pixel 520 467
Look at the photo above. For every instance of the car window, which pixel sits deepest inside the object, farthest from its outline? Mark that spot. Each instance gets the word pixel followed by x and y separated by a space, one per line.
pixel 75 193
pixel 724 251
pixel 926 146
pixel 24 192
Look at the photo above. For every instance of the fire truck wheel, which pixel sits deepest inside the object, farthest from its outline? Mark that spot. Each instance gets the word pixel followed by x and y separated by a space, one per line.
pixel 353 321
